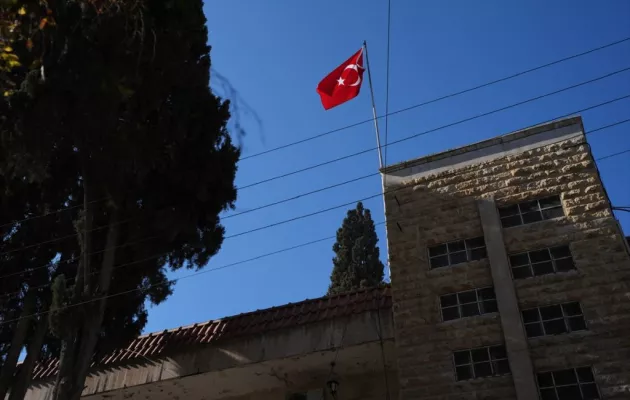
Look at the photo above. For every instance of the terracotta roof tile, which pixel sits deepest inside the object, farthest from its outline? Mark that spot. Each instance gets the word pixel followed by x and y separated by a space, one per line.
pixel 285 316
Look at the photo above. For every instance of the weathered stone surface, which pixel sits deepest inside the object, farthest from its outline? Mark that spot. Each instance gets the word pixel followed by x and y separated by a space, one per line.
pixel 438 208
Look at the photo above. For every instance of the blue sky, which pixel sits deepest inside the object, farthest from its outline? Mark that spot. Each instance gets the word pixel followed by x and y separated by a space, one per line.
pixel 276 51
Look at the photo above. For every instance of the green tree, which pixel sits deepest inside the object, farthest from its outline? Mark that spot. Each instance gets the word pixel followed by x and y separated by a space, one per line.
pixel 356 263
pixel 25 273
pixel 107 106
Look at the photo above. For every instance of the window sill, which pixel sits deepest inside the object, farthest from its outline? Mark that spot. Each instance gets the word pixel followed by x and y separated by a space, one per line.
pixel 563 337
pixel 523 282
pixel 465 381
pixel 493 315
pixel 451 269
pixel 557 219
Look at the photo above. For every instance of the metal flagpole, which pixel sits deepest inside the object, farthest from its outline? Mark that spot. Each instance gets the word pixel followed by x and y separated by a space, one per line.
pixel 378 135
pixel 380 152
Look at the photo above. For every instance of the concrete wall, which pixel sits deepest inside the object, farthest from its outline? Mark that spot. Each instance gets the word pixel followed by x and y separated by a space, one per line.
pixel 357 387
pixel 437 207
pixel 277 360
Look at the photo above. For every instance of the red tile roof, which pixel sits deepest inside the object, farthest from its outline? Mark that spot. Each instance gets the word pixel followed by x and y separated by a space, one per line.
pixel 256 322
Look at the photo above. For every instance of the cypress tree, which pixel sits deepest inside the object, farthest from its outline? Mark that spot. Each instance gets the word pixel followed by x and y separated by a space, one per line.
pixel 106 110
pixel 356 263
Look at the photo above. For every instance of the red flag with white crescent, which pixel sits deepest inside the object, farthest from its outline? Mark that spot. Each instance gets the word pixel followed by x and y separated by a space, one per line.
pixel 344 83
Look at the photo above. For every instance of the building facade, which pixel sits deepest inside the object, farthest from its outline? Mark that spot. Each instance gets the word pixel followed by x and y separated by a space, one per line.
pixel 510 274
pixel 510 281
pixel 290 352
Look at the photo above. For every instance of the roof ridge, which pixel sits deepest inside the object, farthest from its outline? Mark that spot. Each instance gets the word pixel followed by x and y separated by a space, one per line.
pixel 254 322
pixel 269 309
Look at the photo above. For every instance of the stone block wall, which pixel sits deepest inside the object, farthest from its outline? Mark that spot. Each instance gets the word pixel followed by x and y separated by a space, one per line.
pixel 438 208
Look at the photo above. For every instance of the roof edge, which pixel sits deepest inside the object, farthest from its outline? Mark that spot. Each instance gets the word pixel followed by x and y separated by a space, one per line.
pixel 306 301
pixel 507 137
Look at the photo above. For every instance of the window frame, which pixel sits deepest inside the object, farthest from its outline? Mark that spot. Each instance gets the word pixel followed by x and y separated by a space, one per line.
pixel 472 363
pixel 479 302
pixel 578 382
pixel 565 318
pixel 467 250
pixel 539 210
pixel 531 264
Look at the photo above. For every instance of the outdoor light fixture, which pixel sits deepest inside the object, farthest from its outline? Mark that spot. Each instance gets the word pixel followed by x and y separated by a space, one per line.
pixel 333 386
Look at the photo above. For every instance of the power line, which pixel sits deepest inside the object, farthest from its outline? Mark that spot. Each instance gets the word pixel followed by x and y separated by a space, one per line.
pixel 389 24
pixel 369 198
pixel 354 202
pixel 50 265
pixel 225 238
pixel 321 211
pixel 345 204
pixel 256 257
pixel 439 128
pixel 382 116
pixel 152 257
pixel 19 221
pixel 302 195
pixel 74 235
pixel 181 277
pixel 440 98
pixel 379 333
pixel 620 208
pixel 286 221
pixel 333 363
pixel 593 50
pixel 190 275
pixel 614 154
pixel 288 199
pixel 384 178
pixel 327 209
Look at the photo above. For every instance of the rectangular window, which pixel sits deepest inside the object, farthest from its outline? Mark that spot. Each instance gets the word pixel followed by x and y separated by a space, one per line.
pixel 459 251
pixel 468 303
pixel 531 211
pixel 481 362
pixel 541 262
pixel 568 384
pixel 554 320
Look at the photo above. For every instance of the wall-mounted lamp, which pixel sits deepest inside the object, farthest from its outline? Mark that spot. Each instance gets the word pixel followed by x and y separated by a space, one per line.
pixel 333 386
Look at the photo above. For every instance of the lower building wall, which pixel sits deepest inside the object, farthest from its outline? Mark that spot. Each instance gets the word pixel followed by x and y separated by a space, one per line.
pixel 357 387
pixel 247 364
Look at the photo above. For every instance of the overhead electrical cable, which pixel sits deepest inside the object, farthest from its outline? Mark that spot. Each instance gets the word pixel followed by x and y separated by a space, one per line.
pixel 256 257
pixel 471 89
pixel 404 139
pixel 527 71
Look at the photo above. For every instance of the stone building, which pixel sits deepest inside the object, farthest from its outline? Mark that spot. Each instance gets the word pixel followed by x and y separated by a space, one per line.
pixel 288 352
pixel 510 281
pixel 510 274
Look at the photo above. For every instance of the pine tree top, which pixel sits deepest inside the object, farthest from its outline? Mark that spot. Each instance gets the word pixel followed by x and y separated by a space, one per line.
pixel 357 263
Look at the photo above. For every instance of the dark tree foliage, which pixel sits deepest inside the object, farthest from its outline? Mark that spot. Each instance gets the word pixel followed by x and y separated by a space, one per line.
pixel 356 263
pixel 107 113
pixel 25 272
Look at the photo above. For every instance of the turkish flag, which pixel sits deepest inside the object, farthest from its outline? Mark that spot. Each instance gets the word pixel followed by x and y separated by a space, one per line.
pixel 343 83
